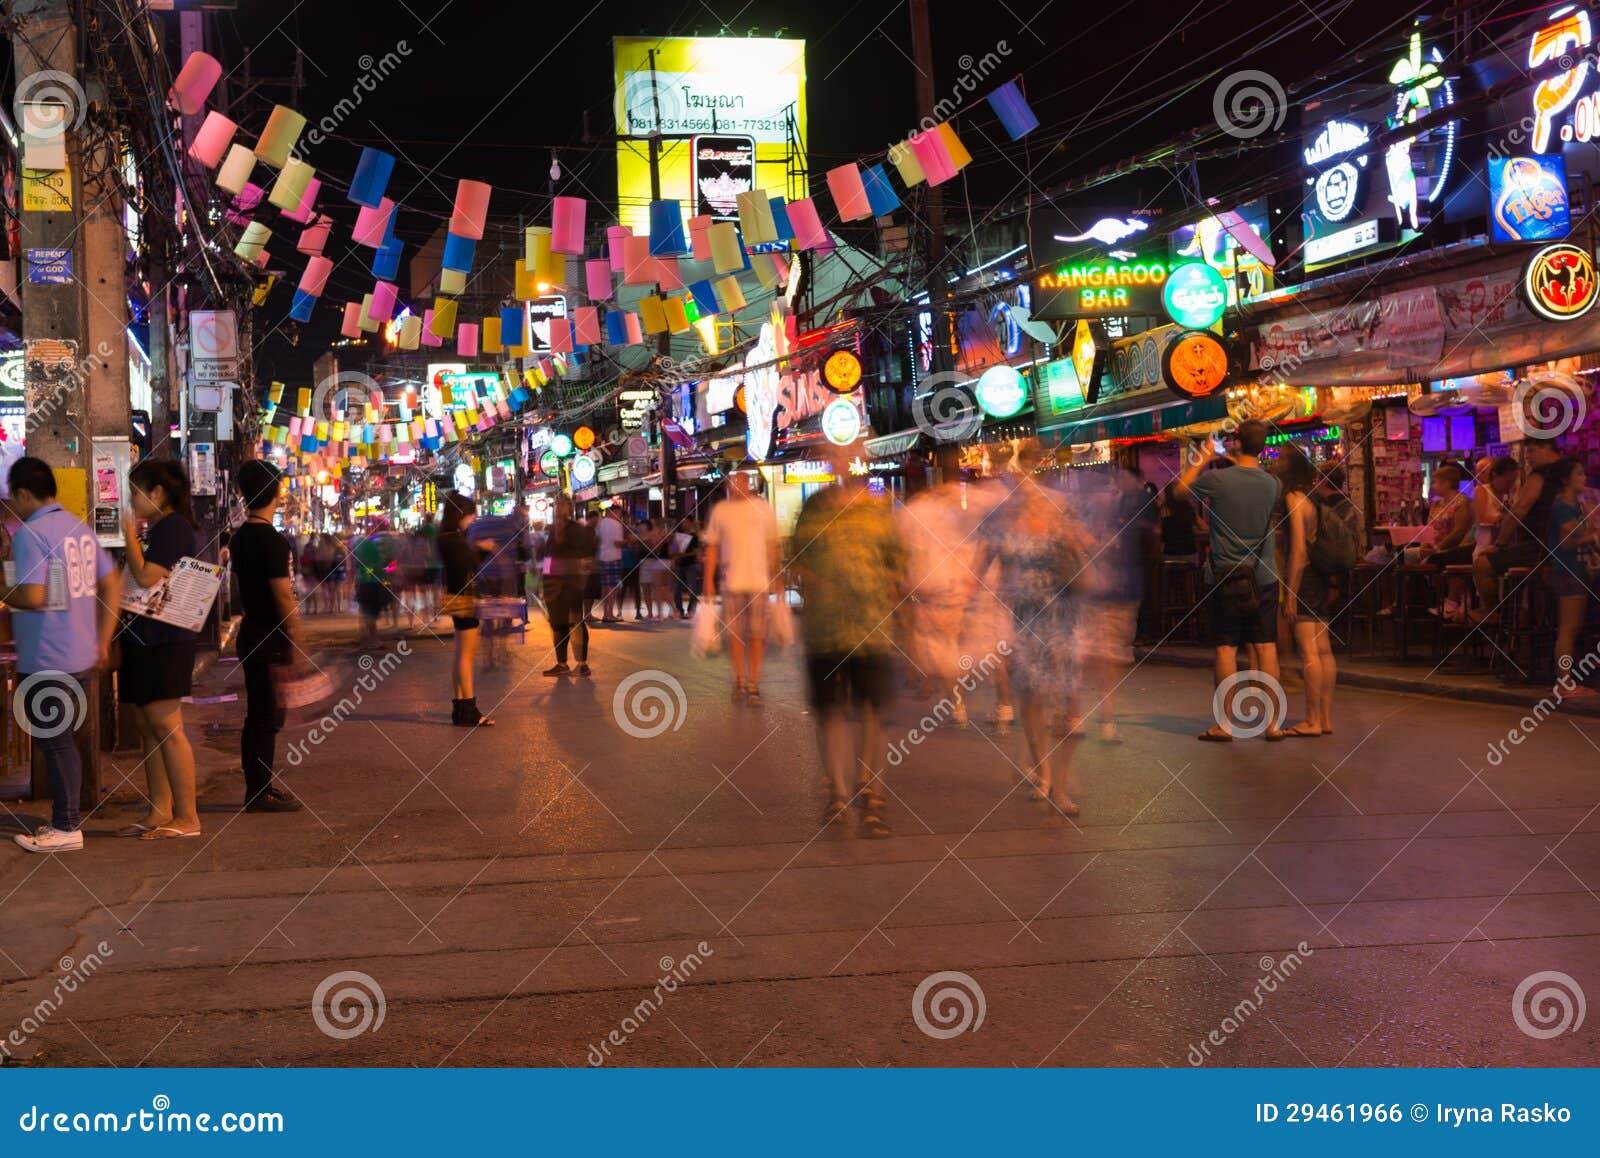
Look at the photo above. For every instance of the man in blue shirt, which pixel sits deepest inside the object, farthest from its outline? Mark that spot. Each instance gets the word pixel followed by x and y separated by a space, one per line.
pixel 1241 573
pixel 65 602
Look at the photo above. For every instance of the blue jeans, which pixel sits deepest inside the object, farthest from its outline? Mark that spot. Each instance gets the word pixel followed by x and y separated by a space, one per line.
pixel 55 705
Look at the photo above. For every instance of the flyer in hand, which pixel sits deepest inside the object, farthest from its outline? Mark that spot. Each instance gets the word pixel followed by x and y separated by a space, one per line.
pixel 183 598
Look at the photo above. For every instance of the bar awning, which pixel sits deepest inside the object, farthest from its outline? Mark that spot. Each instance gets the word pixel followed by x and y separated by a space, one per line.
pixel 1134 416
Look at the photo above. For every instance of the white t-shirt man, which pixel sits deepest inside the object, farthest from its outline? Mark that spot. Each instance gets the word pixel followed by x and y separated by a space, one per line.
pixel 744 531
pixel 608 540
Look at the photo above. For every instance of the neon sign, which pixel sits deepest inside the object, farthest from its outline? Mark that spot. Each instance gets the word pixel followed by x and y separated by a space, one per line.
pixel 1528 198
pixel 1093 289
pixel 1567 31
pixel 1195 295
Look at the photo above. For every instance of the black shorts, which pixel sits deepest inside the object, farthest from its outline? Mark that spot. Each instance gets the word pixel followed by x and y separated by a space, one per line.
pixel 465 622
pixel 164 671
pixel 1240 630
pixel 837 681
pixel 1521 554
pixel 372 598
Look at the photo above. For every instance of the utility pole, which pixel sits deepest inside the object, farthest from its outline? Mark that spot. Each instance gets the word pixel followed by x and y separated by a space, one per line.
pixel 669 460
pixel 933 202
pixel 74 296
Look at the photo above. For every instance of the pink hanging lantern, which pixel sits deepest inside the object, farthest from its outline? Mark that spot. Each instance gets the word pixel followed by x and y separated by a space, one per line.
pixel 194 82
pixel 616 248
pixel 372 223
pixel 566 225
pixel 212 141
pixel 597 279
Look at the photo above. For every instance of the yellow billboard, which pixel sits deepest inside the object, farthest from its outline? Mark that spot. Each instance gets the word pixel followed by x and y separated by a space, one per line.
pixel 729 110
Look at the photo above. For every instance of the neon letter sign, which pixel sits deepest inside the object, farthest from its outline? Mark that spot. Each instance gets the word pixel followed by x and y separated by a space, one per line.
pixel 1570 30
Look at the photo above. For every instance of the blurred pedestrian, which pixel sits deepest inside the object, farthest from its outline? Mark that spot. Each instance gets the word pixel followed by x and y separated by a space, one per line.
pixel 268 632
pixel 938 535
pixel 686 548
pixel 158 658
pixel 609 535
pixel 569 556
pixel 1041 550
pixel 741 561
pixel 459 559
pixel 371 558
pixel 851 569
pixel 64 610
pixel 1308 592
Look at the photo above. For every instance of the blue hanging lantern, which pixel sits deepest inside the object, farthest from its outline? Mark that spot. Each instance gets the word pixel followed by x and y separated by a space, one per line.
pixel 616 328
pixel 372 177
pixel 1012 108
pixel 386 260
pixel 459 252
pixel 666 229
pixel 881 197
pixel 780 219
pixel 304 303
pixel 705 297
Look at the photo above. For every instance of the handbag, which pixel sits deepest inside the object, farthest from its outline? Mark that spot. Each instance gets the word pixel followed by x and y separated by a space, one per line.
pixel 1237 590
pixel 459 606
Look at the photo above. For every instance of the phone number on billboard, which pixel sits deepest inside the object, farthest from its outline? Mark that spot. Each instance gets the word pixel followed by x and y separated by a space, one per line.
pixel 723 125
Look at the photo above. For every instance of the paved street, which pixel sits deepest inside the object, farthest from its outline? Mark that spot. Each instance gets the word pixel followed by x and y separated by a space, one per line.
pixel 519 895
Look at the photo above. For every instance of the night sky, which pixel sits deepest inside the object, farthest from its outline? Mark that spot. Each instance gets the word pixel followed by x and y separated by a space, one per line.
pixel 488 91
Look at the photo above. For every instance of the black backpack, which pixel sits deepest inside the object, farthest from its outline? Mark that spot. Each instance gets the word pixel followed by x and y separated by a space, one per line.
pixel 1334 551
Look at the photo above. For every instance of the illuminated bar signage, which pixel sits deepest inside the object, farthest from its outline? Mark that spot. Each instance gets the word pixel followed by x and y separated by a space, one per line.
pixel 1100 289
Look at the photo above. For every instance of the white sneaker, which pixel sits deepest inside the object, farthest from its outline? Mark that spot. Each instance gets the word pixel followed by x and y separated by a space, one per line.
pixel 49 839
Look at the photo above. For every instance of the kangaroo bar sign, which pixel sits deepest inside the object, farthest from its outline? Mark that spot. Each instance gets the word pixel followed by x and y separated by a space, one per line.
pixel 1100 289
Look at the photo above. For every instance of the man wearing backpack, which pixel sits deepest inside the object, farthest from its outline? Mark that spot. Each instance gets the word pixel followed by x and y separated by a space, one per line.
pixel 1241 595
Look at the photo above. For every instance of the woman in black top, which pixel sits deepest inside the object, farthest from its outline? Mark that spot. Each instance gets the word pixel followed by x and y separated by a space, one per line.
pixel 459 559
pixel 158 658
pixel 569 551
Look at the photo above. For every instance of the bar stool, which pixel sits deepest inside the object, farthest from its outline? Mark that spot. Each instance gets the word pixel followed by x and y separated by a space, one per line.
pixel 1414 604
pixel 1364 603
pixel 1451 636
pixel 1180 594
pixel 1527 633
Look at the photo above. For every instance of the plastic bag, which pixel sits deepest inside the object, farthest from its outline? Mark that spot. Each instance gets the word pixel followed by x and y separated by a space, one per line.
pixel 704 637
pixel 780 621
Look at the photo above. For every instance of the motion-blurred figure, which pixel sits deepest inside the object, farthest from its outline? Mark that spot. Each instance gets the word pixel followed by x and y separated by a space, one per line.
pixel 1041 549
pixel 848 558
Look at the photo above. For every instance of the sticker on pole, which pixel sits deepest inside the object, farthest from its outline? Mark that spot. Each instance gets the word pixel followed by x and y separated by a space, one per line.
pixel 214 345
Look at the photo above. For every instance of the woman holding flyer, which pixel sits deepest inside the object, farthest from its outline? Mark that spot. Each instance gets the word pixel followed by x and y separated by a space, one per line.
pixel 158 658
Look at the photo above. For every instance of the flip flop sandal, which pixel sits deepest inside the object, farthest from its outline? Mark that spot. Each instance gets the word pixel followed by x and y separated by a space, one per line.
pixel 874 827
pixel 1215 736
pixel 163 832
pixel 137 828
pixel 836 811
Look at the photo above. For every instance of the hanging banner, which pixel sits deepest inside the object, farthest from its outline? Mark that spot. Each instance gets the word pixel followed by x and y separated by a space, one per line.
pixel 1413 327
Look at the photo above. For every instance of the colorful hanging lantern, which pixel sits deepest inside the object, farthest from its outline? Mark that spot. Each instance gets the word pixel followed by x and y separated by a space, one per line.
pixel 371 177
pixel 566 225
pixel 848 192
pixel 236 170
pixel 194 82
pixel 1012 108
pixel 283 130
pixel 211 142
pixel 666 229
pixel 471 210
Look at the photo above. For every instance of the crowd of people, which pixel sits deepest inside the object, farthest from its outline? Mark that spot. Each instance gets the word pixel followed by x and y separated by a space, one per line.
pixel 1030 581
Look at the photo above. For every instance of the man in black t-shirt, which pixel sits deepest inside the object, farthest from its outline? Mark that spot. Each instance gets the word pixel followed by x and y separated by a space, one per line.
pixel 261 559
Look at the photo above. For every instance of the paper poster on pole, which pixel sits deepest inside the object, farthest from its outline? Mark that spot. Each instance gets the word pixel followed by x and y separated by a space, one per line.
pixel 183 598
pixel 113 458
pixel 203 468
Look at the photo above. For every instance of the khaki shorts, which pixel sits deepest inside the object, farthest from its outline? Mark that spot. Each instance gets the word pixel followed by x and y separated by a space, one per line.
pixel 744 616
